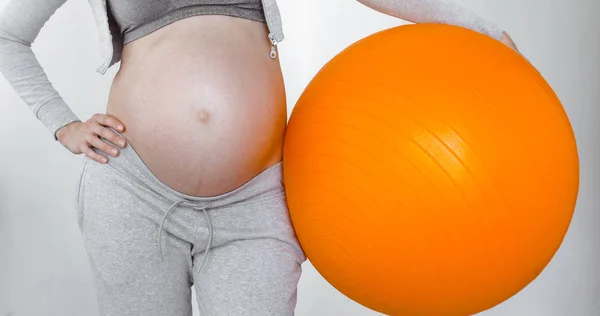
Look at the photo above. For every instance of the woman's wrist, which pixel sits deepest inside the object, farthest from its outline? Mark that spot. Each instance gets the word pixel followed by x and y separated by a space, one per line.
pixel 63 130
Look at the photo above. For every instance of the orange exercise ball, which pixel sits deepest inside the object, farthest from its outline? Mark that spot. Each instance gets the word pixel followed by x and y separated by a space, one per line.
pixel 430 170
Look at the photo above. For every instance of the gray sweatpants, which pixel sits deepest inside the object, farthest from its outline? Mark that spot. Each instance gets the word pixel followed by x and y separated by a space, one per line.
pixel 147 243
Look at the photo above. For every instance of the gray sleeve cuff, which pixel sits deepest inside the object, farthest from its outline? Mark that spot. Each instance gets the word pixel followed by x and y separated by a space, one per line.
pixel 55 114
pixel 492 29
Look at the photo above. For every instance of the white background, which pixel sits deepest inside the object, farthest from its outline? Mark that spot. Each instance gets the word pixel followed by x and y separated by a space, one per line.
pixel 43 267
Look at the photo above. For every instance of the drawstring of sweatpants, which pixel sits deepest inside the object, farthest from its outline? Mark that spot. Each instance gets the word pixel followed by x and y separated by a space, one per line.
pixel 210 229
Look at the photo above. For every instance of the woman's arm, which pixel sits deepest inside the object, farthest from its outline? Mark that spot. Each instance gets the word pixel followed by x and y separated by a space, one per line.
pixel 435 11
pixel 20 23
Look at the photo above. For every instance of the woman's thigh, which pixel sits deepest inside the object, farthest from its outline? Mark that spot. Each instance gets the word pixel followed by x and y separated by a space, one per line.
pixel 119 226
pixel 255 264
pixel 249 277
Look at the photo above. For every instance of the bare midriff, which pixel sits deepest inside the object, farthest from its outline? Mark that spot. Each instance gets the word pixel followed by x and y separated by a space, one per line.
pixel 203 103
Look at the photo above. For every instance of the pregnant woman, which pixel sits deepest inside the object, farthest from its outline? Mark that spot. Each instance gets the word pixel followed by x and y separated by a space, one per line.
pixel 182 180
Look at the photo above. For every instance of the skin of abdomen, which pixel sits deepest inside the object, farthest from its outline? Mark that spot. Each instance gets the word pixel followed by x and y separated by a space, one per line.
pixel 203 103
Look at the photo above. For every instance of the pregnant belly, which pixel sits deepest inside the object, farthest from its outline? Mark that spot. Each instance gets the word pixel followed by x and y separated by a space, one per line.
pixel 203 103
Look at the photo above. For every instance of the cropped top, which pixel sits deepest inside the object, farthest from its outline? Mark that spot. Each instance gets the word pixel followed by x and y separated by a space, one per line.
pixel 22 20
pixel 138 18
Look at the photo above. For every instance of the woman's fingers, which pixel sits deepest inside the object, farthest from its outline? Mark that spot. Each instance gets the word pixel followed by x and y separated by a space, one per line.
pixel 103 120
pixel 108 120
pixel 103 146
pixel 96 129
pixel 106 133
pixel 94 155
pixel 508 41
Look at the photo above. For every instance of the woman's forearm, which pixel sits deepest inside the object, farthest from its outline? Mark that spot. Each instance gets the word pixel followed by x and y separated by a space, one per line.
pixel 20 23
pixel 435 11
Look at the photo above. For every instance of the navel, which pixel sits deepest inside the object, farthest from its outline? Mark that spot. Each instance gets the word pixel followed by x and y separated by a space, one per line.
pixel 203 115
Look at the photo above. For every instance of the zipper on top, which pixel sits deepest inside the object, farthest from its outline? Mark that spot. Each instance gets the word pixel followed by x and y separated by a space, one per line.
pixel 273 41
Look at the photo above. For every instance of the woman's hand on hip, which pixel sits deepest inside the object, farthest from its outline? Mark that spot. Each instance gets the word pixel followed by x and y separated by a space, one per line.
pixel 80 137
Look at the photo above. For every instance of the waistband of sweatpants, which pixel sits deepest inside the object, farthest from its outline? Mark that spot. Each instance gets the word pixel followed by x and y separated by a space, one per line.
pixel 268 182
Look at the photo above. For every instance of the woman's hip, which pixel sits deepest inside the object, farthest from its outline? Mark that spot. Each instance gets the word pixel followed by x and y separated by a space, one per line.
pixel 123 198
